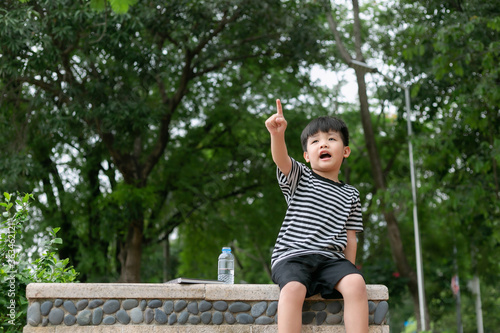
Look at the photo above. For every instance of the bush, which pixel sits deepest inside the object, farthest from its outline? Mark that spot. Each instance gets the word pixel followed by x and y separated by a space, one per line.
pixel 16 271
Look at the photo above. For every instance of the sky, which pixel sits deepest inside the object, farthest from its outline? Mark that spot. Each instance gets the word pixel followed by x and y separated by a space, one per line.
pixel 330 79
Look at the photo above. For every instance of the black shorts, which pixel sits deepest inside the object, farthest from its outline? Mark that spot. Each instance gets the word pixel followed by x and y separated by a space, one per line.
pixel 318 273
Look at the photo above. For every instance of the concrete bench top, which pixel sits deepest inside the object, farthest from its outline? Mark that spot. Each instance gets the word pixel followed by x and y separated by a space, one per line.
pixel 247 292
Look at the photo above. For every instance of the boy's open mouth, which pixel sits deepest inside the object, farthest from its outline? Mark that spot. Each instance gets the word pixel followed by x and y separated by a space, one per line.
pixel 324 156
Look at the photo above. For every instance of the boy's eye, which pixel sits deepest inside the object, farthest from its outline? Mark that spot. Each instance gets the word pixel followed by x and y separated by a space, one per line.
pixel 314 141
pixel 332 139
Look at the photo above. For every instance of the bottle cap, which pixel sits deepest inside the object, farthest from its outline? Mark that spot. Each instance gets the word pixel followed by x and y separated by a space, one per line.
pixel 226 249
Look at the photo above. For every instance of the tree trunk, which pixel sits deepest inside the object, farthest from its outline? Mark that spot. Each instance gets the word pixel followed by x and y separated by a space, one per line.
pixel 167 275
pixel 395 242
pixel 131 252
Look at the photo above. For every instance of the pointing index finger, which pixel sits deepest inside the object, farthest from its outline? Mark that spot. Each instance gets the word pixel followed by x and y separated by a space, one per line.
pixel 278 107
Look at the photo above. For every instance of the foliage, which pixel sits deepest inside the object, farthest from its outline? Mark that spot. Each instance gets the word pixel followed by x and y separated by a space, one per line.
pixel 84 94
pixel 152 101
pixel 17 271
pixel 118 6
pixel 449 50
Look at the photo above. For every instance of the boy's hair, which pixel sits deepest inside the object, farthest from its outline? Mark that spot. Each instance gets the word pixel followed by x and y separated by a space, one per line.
pixel 324 124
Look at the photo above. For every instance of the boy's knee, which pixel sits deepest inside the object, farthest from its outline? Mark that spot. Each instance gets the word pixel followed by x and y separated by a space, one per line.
pixel 352 286
pixel 293 289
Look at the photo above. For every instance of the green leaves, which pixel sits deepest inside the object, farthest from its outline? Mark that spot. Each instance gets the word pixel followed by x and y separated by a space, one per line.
pixel 118 6
pixel 17 270
pixel 494 23
pixel 7 204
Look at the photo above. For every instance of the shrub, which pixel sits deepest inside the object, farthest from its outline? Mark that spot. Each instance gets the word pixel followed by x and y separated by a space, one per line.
pixel 16 272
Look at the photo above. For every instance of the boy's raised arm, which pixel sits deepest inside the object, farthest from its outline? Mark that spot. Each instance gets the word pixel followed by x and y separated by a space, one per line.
pixel 276 125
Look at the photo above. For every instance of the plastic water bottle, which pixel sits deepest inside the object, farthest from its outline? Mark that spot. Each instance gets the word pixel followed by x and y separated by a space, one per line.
pixel 226 266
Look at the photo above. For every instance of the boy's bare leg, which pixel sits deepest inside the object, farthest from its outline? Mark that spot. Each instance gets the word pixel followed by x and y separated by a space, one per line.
pixel 290 303
pixel 353 289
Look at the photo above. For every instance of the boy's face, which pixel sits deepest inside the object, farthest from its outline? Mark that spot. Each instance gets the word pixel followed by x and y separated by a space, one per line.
pixel 325 152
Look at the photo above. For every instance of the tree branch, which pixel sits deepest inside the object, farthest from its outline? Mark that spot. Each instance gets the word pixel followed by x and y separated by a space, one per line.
pixel 181 215
pixel 224 61
pixel 123 161
pixel 222 24
pixel 334 29
pixel 357 31
pixel 46 87
pixel 172 103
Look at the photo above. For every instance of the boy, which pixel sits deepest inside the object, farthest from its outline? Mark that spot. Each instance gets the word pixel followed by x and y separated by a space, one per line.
pixel 316 247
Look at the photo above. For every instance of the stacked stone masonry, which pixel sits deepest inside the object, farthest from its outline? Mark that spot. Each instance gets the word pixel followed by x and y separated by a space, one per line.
pixel 181 308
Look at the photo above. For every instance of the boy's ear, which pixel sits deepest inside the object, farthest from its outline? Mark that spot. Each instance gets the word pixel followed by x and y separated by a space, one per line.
pixel 347 151
pixel 306 157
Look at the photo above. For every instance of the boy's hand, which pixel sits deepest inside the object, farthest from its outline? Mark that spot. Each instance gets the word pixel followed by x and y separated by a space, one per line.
pixel 276 124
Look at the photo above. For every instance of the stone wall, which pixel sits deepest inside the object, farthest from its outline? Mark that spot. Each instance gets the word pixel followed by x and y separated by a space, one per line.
pixel 179 308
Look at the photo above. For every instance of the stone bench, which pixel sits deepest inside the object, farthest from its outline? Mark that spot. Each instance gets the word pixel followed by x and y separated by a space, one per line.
pixel 181 308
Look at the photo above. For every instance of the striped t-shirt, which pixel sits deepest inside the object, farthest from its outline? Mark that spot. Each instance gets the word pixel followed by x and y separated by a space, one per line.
pixel 320 211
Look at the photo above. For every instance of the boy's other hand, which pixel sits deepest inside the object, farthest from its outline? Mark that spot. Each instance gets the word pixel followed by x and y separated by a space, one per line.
pixel 276 124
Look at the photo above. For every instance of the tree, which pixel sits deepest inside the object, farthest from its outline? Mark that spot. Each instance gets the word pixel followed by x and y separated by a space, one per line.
pixel 118 94
pixel 451 47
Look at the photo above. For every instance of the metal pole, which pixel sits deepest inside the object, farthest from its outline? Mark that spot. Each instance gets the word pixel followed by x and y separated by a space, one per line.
pixel 420 275
pixel 476 290
pixel 479 310
pixel 460 328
